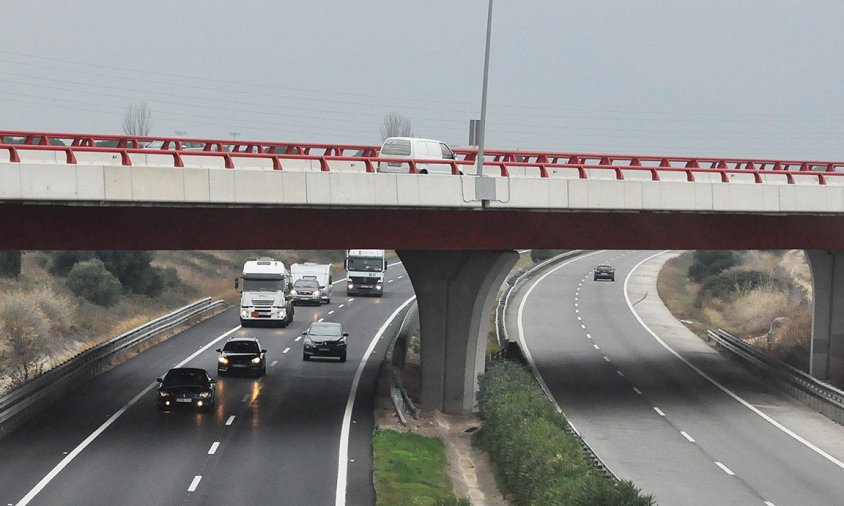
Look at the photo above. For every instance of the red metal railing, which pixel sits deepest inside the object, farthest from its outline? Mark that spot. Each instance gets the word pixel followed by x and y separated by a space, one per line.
pixel 504 161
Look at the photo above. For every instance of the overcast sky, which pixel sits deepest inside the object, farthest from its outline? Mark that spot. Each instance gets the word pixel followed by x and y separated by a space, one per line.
pixel 761 78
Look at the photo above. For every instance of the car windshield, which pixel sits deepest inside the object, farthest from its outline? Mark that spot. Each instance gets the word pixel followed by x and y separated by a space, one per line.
pixel 185 377
pixel 306 283
pixel 241 347
pixel 604 267
pixel 262 285
pixel 365 264
pixel 396 147
pixel 318 329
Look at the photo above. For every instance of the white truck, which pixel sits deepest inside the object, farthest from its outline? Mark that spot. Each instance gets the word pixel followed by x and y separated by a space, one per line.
pixel 321 273
pixel 365 270
pixel 265 293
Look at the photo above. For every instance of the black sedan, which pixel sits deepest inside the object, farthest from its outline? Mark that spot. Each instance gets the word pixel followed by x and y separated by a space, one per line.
pixel 325 339
pixel 604 271
pixel 186 387
pixel 242 354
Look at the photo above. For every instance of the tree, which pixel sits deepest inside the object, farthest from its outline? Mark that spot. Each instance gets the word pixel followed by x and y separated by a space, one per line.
pixel 396 125
pixel 90 279
pixel 138 120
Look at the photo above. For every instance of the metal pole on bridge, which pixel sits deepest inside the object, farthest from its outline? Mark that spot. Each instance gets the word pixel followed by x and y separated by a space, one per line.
pixel 482 125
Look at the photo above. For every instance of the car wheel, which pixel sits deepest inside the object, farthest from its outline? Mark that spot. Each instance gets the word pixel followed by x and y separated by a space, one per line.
pixel 343 357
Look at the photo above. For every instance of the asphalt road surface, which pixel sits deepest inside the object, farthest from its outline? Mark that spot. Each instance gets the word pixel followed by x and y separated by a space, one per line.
pixel 271 440
pixel 663 409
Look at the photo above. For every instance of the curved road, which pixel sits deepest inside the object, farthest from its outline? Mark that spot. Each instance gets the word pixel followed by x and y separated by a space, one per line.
pixel 658 405
pixel 272 440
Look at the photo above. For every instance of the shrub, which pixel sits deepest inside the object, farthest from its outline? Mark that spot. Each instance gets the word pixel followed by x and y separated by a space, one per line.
pixel 63 261
pixel 171 277
pixel 25 331
pixel 539 461
pixel 10 264
pixel 91 280
pixel 710 263
pixel 130 267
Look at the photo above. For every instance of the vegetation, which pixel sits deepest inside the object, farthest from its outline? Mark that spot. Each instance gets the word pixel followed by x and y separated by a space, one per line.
pixel 761 296
pixel 90 279
pixel 539 461
pixel 411 469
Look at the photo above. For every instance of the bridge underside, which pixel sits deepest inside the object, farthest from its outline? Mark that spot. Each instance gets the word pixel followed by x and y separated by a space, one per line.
pixel 112 227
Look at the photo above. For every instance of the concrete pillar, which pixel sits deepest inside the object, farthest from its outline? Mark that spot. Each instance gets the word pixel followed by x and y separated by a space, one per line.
pixel 827 359
pixel 455 293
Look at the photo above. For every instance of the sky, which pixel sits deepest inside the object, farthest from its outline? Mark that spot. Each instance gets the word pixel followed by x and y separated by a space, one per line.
pixel 754 78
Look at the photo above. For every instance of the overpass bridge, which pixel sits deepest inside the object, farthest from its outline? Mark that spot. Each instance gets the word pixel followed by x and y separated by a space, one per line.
pixel 82 191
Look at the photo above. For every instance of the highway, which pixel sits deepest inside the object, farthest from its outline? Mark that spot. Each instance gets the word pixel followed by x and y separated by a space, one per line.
pixel 272 440
pixel 661 408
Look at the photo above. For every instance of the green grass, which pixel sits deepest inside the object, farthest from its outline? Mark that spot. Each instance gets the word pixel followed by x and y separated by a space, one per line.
pixel 410 469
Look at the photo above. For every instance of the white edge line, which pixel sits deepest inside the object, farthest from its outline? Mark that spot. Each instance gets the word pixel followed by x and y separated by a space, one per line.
pixel 76 451
pixel 708 378
pixel 343 458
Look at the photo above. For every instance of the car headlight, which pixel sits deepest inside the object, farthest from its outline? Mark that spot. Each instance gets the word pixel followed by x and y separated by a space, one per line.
pixel 377 287
pixel 309 341
pixel 223 360
pixel 205 395
pixel 163 394
pixel 256 360
pixel 244 313
pixel 350 285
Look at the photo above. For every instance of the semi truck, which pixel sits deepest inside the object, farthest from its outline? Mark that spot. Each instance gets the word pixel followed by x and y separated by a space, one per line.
pixel 365 270
pixel 265 293
pixel 321 273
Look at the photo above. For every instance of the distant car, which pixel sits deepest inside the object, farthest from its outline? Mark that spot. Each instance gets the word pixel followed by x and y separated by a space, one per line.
pixel 325 339
pixel 242 354
pixel 306 290
pixel 186 387
pixel 604 271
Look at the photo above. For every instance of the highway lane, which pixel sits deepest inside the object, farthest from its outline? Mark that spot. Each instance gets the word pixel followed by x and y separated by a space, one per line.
pixel 657 421
pixel 271 440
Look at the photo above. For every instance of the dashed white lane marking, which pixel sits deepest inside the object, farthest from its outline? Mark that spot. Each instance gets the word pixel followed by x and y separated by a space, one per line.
pixel 400 277
pixel 638 392
pixel 349 300
pixel 320 320
pixel 274 363
pixel 576 310
pixel 769 503
pixel 390 280
pixel 194 483
pixel 725 468
pixel 84 444
pixel 230 420
pixel 213 448
pixel 331 312
pixel 596 346
pixel 298 338
pixel 286 350
pixel 606 358
pixel 685 435
pixel 579 318
pixel 588 336
pixel 659 411
pixel 245 398
pixel 341 305
pixel 620 373
pixel 582 326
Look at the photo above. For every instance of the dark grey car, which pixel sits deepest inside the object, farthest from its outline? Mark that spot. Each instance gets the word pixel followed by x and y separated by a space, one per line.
pixel 325 339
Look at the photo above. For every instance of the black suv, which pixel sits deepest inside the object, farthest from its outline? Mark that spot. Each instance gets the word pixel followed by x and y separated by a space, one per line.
pixel 242 354
pixel 325 339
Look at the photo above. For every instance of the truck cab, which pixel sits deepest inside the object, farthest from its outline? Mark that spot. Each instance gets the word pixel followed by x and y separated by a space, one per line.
pixel 265 293
pixel 365 269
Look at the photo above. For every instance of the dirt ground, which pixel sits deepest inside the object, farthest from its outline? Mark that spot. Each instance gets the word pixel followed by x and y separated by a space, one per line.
pixel 471 470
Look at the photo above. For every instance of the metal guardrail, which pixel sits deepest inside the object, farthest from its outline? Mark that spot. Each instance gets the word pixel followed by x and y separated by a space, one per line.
pixel 501 323
pixel 32 396
pixel 401 400
pixel 820 396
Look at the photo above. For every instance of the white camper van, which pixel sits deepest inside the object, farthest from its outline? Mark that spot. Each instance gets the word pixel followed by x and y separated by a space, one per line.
pixel 320 273
pixel 265 293
pixel 413 148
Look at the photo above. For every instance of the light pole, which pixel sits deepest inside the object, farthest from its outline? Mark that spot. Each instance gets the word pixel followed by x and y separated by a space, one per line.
pixel 482 124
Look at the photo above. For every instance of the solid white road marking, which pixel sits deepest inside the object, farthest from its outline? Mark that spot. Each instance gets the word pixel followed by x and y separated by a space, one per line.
pixel 194 483
pixel 343 457
pixel 84 444
pixel 659 411
pixel 685 435
pixel 230 420
pixel 274 363
pixel 725 469
pixel 286 350
pixel 721 387
pixel 213 448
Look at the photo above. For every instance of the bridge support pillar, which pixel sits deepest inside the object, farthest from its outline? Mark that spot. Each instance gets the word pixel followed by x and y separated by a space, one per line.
pixel 455 293
pixel 827 355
